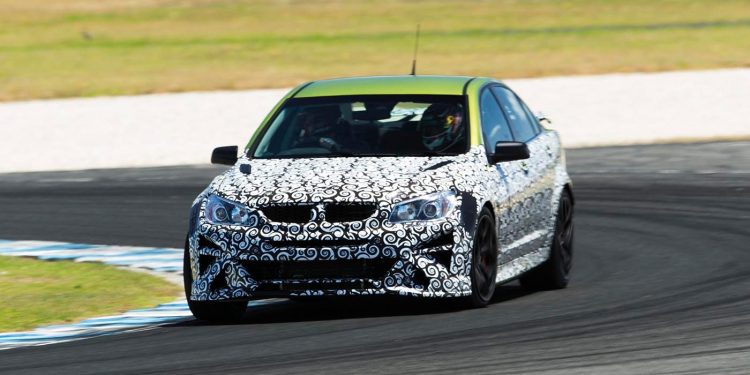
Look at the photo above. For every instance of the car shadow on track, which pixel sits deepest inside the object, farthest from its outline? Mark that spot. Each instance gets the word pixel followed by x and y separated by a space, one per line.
pixel 333 308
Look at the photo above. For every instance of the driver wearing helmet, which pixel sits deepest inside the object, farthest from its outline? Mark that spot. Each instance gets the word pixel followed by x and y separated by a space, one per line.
pixel 442 127
pixel 318 121
pixel 318 127
pixel 324 127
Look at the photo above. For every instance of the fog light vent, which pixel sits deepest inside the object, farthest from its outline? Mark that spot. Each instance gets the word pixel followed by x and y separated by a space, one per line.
pixel 443 257
pixel 420 279
pixel 219 282
pixel 445 239
pixel 204 261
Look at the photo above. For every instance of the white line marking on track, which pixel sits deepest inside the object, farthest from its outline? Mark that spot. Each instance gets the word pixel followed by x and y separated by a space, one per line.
pixel 164 261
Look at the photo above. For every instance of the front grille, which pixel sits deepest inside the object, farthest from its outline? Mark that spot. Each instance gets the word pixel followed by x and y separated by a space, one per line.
pixel 289 214
pixel 338 212
pixel 319 269
pixel 319 243
pixel 334 212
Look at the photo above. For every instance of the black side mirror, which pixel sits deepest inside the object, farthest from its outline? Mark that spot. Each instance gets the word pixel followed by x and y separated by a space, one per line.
pixel 226 155
pixel 509 151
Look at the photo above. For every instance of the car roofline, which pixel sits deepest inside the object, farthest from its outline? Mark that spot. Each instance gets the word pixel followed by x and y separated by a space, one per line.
pixel 385 85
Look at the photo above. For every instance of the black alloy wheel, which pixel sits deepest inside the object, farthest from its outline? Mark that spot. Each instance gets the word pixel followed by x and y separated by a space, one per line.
pixel 564 233
pixel 554 273
pixel 484 260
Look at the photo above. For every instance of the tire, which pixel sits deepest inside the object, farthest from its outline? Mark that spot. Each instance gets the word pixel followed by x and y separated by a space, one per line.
pixel 554 273
pixel 483 261
pixel 212 311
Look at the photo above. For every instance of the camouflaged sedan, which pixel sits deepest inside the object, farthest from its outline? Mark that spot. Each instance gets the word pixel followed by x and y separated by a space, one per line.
pixel 424 186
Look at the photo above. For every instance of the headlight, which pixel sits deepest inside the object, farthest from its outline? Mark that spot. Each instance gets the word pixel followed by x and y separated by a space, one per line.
pixel 429 207
pixel 222 211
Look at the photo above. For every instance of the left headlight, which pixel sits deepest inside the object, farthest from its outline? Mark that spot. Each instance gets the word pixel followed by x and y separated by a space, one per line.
pixel 428 207
pixel 222 211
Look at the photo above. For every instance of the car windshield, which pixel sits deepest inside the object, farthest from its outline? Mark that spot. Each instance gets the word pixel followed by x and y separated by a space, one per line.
pixel 371 125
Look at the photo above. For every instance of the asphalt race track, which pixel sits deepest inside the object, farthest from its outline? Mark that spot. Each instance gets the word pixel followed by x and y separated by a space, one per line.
pixel 661 281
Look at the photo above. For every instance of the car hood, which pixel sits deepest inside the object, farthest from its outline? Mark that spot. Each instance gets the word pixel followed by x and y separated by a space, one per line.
pixel 350 179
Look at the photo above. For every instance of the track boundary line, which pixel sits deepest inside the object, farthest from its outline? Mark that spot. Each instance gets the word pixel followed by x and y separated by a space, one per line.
pixel 165 262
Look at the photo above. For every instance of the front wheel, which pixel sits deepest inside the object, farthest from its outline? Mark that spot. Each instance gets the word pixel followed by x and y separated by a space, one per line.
pixel 554 273
pixel 484 261
pixel 212 311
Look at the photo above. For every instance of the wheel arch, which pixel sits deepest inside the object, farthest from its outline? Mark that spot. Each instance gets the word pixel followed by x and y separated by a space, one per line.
pixel 493 214
pixel 568 187
pixel 489 205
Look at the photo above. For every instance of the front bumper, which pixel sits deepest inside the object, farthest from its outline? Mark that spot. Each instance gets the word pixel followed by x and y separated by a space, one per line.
pixel 369 257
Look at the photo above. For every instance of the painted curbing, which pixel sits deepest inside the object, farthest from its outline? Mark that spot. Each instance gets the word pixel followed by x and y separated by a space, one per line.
pixel 165 262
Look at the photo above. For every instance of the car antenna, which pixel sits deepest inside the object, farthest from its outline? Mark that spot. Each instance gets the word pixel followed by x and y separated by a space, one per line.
pixel 414 61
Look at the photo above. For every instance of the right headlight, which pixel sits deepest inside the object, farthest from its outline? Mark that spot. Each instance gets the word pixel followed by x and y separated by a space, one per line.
pixel 223 211
pixel 428 207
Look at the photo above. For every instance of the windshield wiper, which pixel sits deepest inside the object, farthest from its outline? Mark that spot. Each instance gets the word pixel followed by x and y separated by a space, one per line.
pixel 341 153
pixel 436 153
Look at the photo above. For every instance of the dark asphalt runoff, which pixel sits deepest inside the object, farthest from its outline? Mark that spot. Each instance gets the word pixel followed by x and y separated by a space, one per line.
pixel 661 281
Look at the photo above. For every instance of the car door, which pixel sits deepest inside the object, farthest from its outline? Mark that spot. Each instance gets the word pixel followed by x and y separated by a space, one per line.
pixel 508 203
pixel 533 178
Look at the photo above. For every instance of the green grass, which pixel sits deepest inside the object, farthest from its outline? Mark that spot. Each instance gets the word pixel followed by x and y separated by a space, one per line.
pixel 34 292
pixel 95 47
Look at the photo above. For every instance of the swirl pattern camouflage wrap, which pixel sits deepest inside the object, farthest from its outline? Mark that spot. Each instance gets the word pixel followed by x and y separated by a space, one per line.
pixel 320 226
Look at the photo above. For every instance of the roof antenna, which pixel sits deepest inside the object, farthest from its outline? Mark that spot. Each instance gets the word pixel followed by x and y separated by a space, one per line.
pixel 414 61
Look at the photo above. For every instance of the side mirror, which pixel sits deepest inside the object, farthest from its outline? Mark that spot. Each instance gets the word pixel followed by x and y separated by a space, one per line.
pixel 226 155
pixel 541 117
pixel 509 151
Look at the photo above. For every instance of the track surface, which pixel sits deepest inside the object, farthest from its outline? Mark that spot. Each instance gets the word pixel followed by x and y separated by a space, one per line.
pixel 661 281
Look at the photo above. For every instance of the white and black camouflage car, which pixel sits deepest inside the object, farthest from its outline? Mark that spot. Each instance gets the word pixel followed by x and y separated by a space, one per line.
pixel 418 186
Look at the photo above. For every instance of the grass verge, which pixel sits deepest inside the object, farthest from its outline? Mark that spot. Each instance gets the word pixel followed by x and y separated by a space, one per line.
pixel 93 47
pixel 35 292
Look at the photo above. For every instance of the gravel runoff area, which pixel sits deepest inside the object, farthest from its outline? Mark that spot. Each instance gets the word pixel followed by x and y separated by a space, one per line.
pixel 180 129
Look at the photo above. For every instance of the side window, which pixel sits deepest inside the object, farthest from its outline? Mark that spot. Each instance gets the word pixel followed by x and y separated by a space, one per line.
pixel 494 125
pixel 519 122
